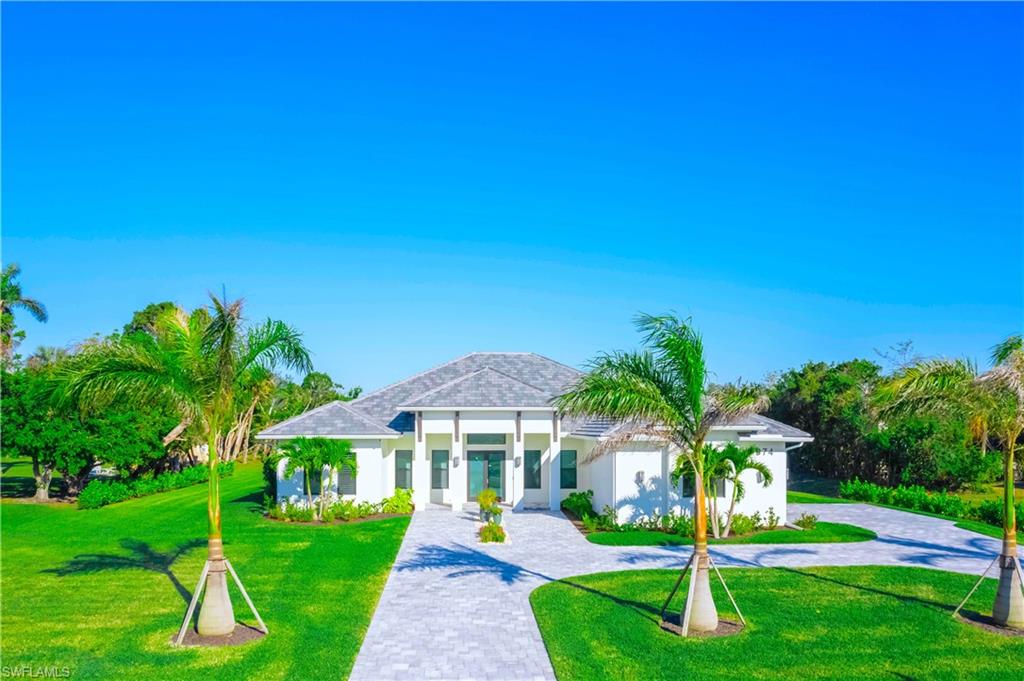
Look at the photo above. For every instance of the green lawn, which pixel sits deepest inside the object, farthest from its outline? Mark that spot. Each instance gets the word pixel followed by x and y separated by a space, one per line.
pixel 822 623
pixel 101 593
pixel 824 532
pixel 793 497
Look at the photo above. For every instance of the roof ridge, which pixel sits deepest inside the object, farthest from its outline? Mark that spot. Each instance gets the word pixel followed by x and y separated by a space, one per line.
pixel 448 384
pixel 314 410
pixel 555 361
pixel 517 380
pixel 365 417
pixel 414 376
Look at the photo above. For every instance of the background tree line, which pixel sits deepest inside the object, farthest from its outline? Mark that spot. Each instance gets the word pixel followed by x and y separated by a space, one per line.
pixel 70 438
pixel 838 404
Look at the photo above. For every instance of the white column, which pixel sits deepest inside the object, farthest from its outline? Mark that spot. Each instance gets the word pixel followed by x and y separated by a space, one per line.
pixel 554 476
pixel 518 469
pixel 457 479
pixel 420 469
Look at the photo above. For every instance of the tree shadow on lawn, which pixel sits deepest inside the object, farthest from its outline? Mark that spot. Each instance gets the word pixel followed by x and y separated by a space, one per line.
pixel 902 597
pixel 469 561
pixel 253 502
pixel 141 556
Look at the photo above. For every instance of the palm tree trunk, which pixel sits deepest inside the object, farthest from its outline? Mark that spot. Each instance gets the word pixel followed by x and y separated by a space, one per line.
pixel 703 614
pixel 1008 609
pixel 732 509
pixel 216 616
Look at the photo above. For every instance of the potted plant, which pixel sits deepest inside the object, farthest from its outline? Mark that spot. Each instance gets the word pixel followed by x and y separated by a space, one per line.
pixel 488 500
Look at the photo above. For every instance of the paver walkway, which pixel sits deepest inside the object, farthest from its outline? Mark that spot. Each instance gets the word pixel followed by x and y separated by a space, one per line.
pixel 456 609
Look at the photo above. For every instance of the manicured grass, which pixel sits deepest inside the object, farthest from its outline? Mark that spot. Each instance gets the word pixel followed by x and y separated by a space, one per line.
pixel 824 532
pixel 101 591
pixel 990 492
pixel 810 498
pixel 822 623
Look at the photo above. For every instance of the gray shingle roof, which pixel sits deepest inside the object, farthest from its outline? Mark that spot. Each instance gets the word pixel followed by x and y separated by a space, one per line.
pixel 772 427
pixel 334 419
pixel 484 388
pixel 540 372
pixel 479 379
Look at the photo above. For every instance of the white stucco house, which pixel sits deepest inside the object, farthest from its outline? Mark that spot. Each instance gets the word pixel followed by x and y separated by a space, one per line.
pixel 485 420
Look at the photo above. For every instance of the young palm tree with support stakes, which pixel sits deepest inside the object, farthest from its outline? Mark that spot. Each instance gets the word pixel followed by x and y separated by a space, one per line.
pixel 195 362
pixel 995 400
pixel 662 393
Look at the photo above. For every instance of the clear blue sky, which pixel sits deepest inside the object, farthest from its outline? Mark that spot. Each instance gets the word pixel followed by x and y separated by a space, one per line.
pixel 407 183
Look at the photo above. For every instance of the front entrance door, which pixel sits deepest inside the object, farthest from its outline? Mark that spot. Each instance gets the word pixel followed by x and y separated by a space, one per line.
pixel 485 470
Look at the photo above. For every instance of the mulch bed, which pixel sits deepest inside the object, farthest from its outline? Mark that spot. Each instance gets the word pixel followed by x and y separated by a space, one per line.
pixel 242 634
pixel 984 622
pixel 726 627
pixel 339 521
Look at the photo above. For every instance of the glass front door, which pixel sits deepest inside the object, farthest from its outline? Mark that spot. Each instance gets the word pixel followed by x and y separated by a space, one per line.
pixel 485 470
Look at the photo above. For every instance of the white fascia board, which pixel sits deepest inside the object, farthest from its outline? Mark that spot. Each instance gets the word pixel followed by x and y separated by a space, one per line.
pixel 475 409
pixel 353 436
pixel 743 428
pixel 774 438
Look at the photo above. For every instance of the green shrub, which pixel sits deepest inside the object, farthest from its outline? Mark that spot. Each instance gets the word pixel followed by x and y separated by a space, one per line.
pixel 99 493
pixel 806 521
pixel 772 520
pixel 591 524
pixel 743 524
pixel 492 534
pixel 299 514
pixel 917 498
pixel 678 524
pixel 488 500
pixel 609 518
pixel 579 504
pixel 399 502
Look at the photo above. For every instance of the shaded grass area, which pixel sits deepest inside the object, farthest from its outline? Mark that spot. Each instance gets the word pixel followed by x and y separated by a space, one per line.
pixel 17 481
pixel 822 623
pixel 823 533
pixel 103 591
pixel 811 498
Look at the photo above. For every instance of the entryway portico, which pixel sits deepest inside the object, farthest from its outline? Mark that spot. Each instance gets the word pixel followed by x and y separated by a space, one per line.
pixel 456 453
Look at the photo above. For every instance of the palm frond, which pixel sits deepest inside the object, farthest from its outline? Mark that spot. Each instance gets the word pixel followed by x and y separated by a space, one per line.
pixel 1001 352
pixel 626 386
pixel 938 386
pixel 733 401
pixel 274 343
pixel 134 372
pixel 678 345
pixel 33 307
pixel 627 433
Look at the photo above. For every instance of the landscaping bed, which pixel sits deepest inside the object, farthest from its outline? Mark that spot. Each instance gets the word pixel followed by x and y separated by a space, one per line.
pixel 821 623
pixel 822 533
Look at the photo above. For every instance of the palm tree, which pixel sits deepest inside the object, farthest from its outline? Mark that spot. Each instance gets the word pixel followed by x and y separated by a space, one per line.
pixel 993 402
pixel 312 454
pixel 194 363
pixel 741 460
pixel 11 298
pixel 305 454
pixel 662 393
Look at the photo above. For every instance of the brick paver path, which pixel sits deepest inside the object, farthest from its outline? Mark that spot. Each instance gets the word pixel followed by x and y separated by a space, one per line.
pixel 456 609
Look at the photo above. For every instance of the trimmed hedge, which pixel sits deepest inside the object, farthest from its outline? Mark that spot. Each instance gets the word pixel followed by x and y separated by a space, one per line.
pixel 917 498
pixel 99 493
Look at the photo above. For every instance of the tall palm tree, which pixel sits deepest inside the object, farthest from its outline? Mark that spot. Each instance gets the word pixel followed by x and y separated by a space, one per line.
pixel 994 399
pixel 11 298
pixel 662 393
pixel 194 363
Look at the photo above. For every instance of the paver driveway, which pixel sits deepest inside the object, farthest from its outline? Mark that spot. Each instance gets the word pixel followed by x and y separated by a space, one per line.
pixel 456 609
